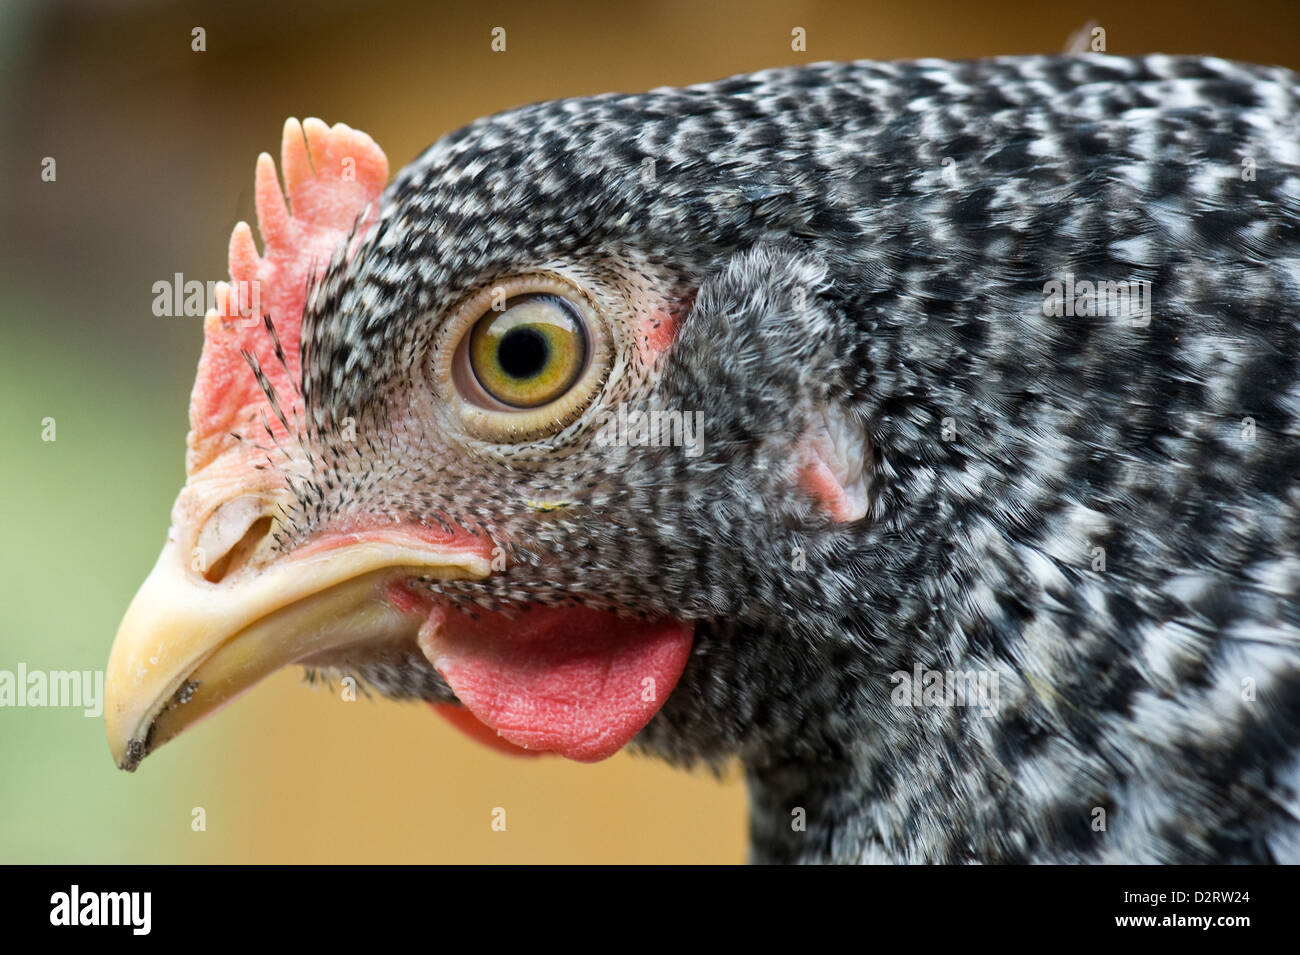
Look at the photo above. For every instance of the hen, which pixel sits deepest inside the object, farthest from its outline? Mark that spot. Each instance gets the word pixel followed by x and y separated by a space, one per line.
pixel 925 435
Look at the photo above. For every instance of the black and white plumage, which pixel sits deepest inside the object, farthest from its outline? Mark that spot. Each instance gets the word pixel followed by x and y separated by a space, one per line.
pixel 1099 514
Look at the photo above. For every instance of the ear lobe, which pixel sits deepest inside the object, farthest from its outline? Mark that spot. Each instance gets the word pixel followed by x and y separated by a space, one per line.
pixel 768 353
pixel 833 466
pixel 764 335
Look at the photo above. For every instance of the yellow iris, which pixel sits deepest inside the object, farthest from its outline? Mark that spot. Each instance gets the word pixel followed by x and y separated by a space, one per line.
pixel 530 353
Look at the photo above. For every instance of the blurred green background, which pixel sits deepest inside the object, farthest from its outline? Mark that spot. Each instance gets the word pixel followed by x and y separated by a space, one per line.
pixel 155 145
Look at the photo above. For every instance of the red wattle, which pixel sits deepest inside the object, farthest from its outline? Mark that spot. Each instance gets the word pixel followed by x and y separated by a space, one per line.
pixel 480 732
pixel 571 680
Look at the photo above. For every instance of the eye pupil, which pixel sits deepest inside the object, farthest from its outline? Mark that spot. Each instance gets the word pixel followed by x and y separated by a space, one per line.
pixel 522 353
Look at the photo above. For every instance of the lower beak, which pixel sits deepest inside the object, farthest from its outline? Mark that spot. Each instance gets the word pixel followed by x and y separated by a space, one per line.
pixel 188 646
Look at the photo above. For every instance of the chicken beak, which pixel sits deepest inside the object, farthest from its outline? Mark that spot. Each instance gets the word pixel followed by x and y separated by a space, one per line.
pixel 188 646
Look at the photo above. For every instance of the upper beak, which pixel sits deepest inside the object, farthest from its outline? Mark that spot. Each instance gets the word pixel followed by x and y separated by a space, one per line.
pixel 188 645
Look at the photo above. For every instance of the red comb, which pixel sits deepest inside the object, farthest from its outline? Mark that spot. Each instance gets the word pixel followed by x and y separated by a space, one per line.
pixel 331 175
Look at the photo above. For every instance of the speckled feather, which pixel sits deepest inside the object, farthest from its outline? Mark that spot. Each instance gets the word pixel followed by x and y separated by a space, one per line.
pixel 875 239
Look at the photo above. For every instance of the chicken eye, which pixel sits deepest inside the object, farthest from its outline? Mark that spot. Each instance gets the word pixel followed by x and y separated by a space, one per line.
pixel 530 353
pixel 528 368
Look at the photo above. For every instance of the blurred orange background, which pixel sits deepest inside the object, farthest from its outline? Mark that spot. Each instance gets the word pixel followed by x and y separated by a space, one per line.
pixel 155 145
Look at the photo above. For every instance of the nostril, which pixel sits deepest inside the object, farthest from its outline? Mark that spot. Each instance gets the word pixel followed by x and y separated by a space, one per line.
pixel 232 537
pixel 238 555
